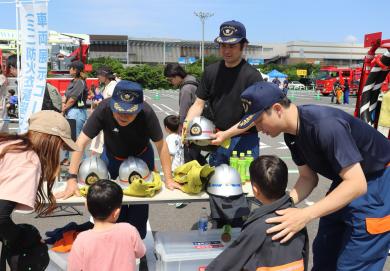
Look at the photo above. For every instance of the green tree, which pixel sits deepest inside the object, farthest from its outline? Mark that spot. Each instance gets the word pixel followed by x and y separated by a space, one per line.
pixel 291 69
pixel 195 69
pixel 151 77
pixel 115 65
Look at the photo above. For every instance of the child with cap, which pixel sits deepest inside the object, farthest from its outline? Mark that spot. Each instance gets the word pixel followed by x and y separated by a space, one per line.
pixel 254 249
pixel 109 245
pixel 355 213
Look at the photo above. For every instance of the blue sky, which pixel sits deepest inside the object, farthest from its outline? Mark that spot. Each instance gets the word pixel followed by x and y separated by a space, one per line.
pixel 266 21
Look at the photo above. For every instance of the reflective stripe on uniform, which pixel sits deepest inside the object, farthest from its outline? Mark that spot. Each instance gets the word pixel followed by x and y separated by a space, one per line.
pixel 378 225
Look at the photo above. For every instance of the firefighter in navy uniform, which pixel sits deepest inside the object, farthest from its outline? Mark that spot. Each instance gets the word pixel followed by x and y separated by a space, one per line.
pixel 354 229
pixel 129 124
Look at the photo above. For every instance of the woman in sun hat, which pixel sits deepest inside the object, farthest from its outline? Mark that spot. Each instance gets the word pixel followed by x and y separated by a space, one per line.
pixel 27 163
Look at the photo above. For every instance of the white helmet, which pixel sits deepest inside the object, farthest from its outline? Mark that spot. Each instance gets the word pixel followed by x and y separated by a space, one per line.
pixel 225 182
pixel 131 168
pixel 199 131
pixel 91 170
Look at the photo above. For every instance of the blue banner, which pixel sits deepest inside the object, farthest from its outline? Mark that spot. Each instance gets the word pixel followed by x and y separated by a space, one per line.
pixel 186 60
pixel 255 61
pixel 34 51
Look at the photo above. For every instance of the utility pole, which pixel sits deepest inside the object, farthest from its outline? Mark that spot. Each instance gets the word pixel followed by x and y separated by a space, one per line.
pixel 203 16
pixel 164 52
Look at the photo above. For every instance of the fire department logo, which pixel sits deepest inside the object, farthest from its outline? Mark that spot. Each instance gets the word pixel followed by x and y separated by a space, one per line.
pixel 128 97
pixel 246 104
pixel 134 176
pixel 91 179
pixel 196 130
pixel 227 31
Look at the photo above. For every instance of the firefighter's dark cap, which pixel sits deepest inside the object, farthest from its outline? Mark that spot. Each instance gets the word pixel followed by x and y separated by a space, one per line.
pixel 231 32
pixel 256 99
pixel 127 98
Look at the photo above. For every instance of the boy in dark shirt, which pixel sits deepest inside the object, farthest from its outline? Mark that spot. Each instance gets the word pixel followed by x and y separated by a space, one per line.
pixel 254 249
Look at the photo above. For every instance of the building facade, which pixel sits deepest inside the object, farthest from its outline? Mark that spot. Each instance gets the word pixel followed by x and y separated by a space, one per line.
pixel 160 51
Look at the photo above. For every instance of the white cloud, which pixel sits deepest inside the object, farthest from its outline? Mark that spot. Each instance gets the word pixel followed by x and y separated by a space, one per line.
pixel 350 39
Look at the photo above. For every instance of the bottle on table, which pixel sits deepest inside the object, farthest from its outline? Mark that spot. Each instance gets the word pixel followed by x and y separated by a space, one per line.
pixel 248 159
pixel 203 221
pixel 226 235
pixel 233 161
pixel 242 167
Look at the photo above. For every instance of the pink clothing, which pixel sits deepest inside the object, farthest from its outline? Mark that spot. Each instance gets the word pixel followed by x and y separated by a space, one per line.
pixel 113 249
pixel 19 177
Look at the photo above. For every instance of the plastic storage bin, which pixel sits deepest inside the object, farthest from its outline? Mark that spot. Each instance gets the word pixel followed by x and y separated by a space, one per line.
pixel 59 261
pixel 189 251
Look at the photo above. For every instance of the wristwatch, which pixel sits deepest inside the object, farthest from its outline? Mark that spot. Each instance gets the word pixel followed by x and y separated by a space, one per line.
pixel 71 176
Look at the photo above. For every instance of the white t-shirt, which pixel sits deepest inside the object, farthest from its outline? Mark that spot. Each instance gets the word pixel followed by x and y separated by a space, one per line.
pixel 109 89
pixel 175 150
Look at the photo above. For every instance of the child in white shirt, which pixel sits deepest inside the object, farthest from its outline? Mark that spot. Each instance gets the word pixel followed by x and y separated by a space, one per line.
pixel 175 147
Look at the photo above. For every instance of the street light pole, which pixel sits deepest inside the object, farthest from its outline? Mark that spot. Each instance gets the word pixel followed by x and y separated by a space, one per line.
pixel 350 56
pixel 203 16
pixel 164 52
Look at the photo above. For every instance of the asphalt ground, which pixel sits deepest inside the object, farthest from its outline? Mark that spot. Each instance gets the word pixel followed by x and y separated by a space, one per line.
pixel 164 217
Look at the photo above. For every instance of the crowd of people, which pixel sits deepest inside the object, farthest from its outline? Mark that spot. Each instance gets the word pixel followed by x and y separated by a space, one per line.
pixel 354 227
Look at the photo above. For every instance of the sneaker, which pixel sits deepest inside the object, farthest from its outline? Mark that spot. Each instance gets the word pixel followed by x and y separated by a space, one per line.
pixel 180 205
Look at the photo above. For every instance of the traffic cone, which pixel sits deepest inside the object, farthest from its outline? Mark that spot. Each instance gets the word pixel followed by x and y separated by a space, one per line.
pixel 318 96
pixel 292 96
pixel 157 96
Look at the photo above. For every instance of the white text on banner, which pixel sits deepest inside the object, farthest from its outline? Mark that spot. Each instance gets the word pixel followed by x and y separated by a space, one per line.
pixel 34 56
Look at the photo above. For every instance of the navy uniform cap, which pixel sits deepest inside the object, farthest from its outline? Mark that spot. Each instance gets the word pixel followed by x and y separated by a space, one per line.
pixel 127 98
pixel 257 98
pixel 231 32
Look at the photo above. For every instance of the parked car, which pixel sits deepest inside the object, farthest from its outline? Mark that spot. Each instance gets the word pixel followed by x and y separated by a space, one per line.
pixel 307 82
pixel 295 85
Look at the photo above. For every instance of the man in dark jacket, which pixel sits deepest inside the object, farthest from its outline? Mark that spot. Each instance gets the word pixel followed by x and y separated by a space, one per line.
pixel 187 85
pixel 254 249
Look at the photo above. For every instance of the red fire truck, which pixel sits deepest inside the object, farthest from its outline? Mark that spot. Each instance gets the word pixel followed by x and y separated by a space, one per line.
pixel 329 74
pixel 62 56
pixel 64 49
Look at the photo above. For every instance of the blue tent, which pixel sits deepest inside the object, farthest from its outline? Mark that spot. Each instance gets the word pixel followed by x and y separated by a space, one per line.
pixel 275 73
